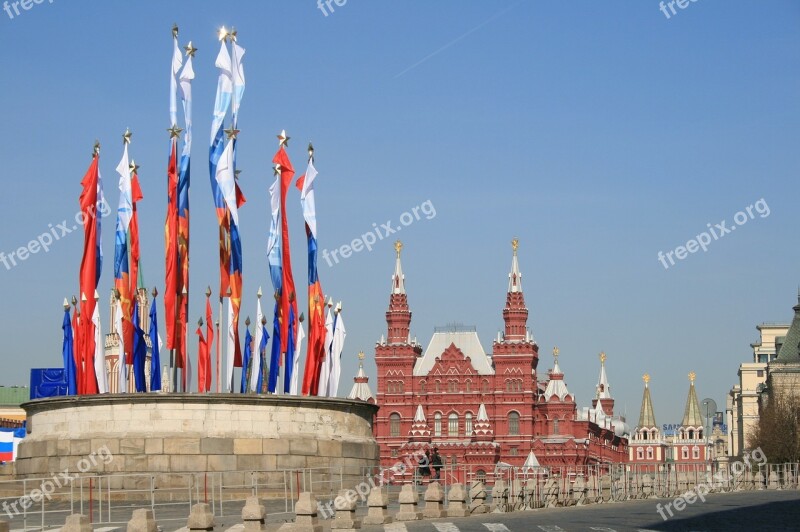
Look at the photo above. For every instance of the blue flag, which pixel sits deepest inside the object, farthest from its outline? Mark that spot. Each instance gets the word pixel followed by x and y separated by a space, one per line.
pixel 139 351
pixel 248 352
pixel 275 357
pixel 262 352
pixel 68 353
pixel 155 361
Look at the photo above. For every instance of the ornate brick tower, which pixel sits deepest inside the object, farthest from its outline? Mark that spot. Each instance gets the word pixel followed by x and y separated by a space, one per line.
pixel 515 356
pixel 647 445
pixel 689 444
pixel 395 357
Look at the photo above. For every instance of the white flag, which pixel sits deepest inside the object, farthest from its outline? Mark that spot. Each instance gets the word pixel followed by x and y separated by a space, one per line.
pixel 99 353
pixel 294 389
pixel 255 357
pixel 325 367
pixel 230 349
pixel 227 182
pixel 337 347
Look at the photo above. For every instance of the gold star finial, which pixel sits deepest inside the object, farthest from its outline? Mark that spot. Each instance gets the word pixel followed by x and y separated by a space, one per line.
pixel 515 245
pixel 190 50
pixel 310 151
pixel 175 132
pixel 223 34
pixel 602 357
pixel 692 376
pixel 398 247
pixel 555 352
pixel 646 378
pixel 276 169
pixel 361 355
pixel 283 139
pixel 233 33
pixel 126 137
pixel 231 132
pixel 134 167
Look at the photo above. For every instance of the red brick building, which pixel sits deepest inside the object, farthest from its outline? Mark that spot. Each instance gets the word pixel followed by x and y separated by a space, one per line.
pixel 480 408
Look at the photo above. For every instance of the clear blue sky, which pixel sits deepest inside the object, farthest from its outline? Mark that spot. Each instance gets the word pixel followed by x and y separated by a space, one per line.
pixel 599 133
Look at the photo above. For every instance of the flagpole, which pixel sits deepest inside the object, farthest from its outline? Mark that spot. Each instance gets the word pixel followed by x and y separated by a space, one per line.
pixel 219 344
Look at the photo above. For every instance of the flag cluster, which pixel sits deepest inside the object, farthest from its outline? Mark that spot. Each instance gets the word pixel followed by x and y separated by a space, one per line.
pixel 83 342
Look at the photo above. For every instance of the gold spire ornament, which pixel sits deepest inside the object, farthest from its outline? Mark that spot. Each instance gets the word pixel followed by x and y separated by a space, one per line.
pixel 175 131
pixel 515 245
pixel 361 355
pixel 602 357
pixel 555 353
pixel 692 376
pixel 223 34
pixel 646 379
pixel 398 247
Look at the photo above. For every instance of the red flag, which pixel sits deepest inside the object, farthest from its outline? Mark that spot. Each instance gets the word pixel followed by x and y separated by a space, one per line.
pixel 136 195
pixel 288 296
pixel 203 364
pixel 209 343
pixel 78 348
pixel 171 251
pixel 89 273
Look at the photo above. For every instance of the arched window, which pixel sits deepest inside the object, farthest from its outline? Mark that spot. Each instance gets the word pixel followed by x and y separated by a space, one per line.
pixel 437 424
pixel 555 426
pixel 508 385
pixel 691 434
pixel 685 453
pixel 513 424
pixel 438 386
pixel 468 424
pixel 485 386
pixel 394 425
pixel 639 454
pixel 452 425
pixel 480 475
pixel 452 386
pixel 649 453
pixel 422 387
pixel 468 386
pixel 700 435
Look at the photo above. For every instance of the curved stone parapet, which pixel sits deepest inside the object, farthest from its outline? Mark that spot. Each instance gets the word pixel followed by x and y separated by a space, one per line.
pixel 173 433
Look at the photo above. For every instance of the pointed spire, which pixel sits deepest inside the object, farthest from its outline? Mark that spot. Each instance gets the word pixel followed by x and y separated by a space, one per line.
pixel 514 277
pixel 361 389
pixel 603 389
pixel 398 279
pixel 647 417
pixel 515 313
pixel 790 350
pixel 692 416
pixel 419 417
pixel 419 428
pixel 556 385
pixel 482 429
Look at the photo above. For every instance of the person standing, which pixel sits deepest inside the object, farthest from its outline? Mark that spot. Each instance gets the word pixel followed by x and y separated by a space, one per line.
pixel 436 462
